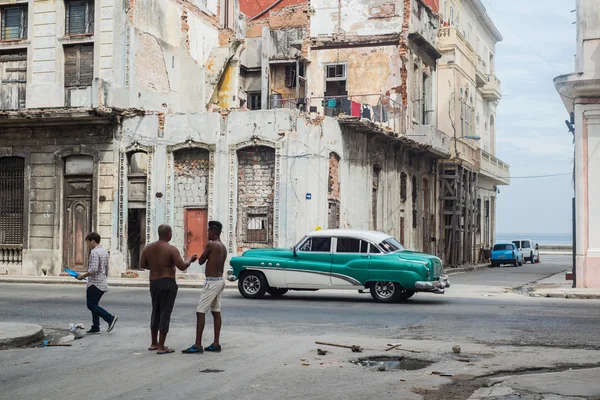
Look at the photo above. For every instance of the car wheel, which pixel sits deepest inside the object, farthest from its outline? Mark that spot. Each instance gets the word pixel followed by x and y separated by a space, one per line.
pixel 406 294
pixel 531 259
pixel 386 292
pixel 494 265
pixel 521 263
pixel 276 292
pixel 516 262
pixel 253 285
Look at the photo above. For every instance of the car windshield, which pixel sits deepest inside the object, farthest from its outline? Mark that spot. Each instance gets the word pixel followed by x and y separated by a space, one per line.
pixel 503 247
pixel 516 243
pixel 390 245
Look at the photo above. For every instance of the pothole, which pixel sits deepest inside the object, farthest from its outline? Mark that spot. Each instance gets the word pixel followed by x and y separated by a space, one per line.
pixel 386 363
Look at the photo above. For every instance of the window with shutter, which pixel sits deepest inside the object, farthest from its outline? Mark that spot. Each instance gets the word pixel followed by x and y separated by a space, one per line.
pixel 79 65
pixel 14 22
pixel 79 17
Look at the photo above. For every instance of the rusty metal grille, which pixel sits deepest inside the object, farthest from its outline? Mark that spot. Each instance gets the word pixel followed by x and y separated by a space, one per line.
pixel 12 187
pixel 257 229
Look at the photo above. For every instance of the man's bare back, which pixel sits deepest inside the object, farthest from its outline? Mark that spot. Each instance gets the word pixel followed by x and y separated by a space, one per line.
pixel 161 258
pixel 215 255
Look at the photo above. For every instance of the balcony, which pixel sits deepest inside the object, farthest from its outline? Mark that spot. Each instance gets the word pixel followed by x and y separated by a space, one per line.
pixel 494 168
pixel 437 140
pixel 481 75
pixel 450 39
pixel 491 90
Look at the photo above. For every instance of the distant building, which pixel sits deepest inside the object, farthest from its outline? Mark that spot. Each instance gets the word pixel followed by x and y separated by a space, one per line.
pixel 580 92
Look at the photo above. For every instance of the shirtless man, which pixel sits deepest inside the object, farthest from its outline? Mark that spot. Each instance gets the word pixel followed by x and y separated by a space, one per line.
pixel 210 299
pixel 161 259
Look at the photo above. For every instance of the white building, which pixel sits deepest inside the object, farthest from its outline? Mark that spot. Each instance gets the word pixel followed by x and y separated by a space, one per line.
pixel 580 93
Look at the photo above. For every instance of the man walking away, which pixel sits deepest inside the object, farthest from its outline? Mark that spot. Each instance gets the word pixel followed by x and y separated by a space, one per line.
pixel 97 283
pixel 161 259
pixel 215 255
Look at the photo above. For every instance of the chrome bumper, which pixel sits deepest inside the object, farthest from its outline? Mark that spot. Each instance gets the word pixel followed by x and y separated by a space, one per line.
pixel 437 287
pixel 230 276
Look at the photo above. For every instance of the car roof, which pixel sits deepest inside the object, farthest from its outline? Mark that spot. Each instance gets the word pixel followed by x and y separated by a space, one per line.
pixel 503 243
pixel 373 236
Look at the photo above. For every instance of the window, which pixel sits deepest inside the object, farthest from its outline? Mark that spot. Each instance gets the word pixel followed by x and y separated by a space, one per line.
pixel 469 31
pixel 256 228
pixel 227 14
pixel 403 184
pixel 416 101
pixel 478 215
pixel 335 80
pixel 415 222
pixel 79 17
pixel 364 246
pixel 12 178
pixel 316 244
pixel 348 245
pixel 79 65
pixel 290 76
pixel 503 247
pixel 254 100
pixel 13 79
pixel 426 110
pixel 451 20
pixel 390 245
pixel 333 214
pixel 14 22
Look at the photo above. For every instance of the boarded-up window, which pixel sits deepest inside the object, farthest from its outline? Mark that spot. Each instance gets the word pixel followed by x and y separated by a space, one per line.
pixel 79 17
pixel 79 65
pixel 14 22
pixel 257 229
pixel 13 79
pixel 12 178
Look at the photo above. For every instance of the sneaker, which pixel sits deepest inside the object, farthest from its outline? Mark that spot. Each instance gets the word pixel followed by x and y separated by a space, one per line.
pixel 193 350
pixel 93 332
pixel 112 324
pixel 214 348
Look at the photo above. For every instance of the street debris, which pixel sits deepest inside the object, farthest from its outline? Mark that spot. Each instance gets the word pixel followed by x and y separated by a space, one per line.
pixel 303 359
pixel 393 346
pixel 354 348
pixel 446 374
pixel 456 348
pixel 305 364
pixel 441 373
pixel 212 371
pixel 78 330
pixel 322 352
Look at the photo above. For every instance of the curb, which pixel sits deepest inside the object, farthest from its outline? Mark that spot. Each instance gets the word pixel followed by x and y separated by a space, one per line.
pixel 133 283
pixel 452 271
pixel 577 296
pixel 33 333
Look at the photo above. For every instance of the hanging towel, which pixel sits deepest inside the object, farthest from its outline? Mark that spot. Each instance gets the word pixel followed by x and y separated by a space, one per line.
pixel 355 109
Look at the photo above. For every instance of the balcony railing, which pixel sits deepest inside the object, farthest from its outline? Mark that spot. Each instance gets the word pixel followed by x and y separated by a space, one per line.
pixel 492 90
pixel 380 110
pixel 11 254
pixel 449 37
pixel 495 168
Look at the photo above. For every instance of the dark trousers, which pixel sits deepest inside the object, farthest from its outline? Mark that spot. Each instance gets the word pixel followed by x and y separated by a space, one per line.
pixel 93 296
pixel 163 292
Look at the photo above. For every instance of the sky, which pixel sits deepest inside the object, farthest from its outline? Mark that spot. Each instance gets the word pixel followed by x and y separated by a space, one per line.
pixel 532 136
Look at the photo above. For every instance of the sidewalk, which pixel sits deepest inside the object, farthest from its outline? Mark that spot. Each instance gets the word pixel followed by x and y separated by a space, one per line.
pixel 557 286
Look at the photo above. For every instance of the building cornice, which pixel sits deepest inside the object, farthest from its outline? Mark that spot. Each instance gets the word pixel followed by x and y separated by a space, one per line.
pixel 487 21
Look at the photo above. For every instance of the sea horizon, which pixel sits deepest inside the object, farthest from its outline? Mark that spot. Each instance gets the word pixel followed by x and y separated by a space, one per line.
pixel 540 238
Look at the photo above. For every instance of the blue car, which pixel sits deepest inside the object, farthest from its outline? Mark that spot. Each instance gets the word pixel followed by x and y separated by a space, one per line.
pixel 506 253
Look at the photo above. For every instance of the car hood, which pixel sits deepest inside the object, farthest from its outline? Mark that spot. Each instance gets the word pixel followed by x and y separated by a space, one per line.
pixel 433 263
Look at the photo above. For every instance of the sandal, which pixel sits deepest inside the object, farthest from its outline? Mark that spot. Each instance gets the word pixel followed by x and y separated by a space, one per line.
pixel 193 350
pixel 168 351
pixel 214 348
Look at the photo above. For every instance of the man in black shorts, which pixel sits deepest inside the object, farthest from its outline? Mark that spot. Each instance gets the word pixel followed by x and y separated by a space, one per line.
pixel 161 259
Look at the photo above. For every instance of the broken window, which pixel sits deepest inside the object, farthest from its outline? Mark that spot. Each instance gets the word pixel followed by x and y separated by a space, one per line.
pixel 79 17
pixel 403 183
pixel 14 22
pixel 254 100
pixel 13 79
pixel 257 228
pixel 79 65
pixel 12 189
pixel 335 80
pixel 415 198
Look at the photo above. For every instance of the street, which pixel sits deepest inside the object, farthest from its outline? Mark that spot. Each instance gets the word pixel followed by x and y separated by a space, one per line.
pixel 478 309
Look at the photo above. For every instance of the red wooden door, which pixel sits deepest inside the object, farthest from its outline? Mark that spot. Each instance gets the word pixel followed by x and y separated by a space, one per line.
pixel 196 230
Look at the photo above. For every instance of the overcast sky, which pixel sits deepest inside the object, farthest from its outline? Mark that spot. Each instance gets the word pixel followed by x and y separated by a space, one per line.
pixel 532 135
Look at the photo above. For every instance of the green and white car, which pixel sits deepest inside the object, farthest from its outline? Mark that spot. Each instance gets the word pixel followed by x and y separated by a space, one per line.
pixel 340 259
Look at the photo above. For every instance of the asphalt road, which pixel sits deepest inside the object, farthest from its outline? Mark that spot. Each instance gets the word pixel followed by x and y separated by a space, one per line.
pixel 477 308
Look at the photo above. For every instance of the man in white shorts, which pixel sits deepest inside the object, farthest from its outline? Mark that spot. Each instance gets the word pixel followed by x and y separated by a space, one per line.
pixel 215 255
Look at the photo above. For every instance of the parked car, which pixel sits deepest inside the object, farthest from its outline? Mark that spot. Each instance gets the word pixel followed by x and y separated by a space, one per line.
pixel 506 253
pixel 529 249
pixel 340 259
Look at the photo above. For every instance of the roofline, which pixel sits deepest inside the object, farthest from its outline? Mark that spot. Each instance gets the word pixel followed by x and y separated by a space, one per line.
pixel 487 21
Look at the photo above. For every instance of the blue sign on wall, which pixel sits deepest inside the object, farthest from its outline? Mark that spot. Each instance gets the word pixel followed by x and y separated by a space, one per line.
pixel 308 196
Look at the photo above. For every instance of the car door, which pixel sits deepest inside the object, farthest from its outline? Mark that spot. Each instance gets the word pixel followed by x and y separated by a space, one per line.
pixel 350 263
pixel 311 266
pixel 526 248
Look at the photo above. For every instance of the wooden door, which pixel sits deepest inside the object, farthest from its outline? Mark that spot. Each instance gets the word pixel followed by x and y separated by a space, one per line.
pixel 78 222
pixel 13 80
pixel 196 230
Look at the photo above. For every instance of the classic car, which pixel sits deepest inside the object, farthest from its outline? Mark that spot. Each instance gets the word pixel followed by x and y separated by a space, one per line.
pixel 506 253
pixel 340 259
pixel 529 249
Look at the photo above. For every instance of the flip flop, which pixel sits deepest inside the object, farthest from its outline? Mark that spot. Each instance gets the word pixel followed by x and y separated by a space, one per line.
pixel 169 351
pixel 152 349
pixel 193 350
